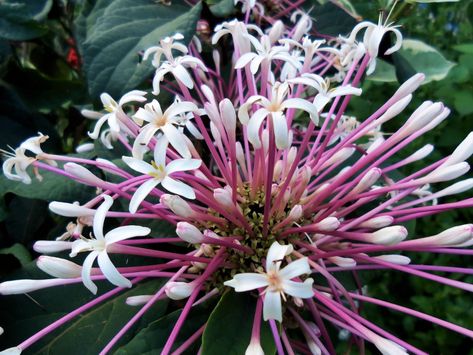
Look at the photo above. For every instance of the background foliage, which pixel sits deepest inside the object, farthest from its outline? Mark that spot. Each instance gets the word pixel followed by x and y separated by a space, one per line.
pixel 57 56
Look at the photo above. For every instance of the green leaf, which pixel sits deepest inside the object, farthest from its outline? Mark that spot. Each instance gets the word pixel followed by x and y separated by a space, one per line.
pixel 431 1
pixel 25 217
pixel 230 323
pixel 19 20
pixel 114 33
pixel 403 68
pixel 222 8
pixel 52 187
pixel 464 48
pixel 330 19
pixel 420 56
pixel 152 339
pixel 19 252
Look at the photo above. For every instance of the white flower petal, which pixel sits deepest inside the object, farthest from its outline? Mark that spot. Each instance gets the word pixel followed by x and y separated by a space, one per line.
pixel 276 254
pixel 176 139
pixel 111 272
pixel 244 60
pixel 254 125
pixel 125 232
pixel 247 281
pixel 299 289
pixel 141 193
pixel 281 132
pixel 296 268
pixel 138 165
pixel 100 214
pixel 272 306
pixel 183 165
pixel 181 74
pixel 160 150
pixel 179 188
pixel 86 270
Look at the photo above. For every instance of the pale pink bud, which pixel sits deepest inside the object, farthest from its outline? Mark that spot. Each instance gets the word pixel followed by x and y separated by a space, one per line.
pixel 367 180
pixel 421 118
pixel 328 224
pixel 179 290
pixel 85 147
pixel 445 173
pixel 276 31
pixel 224 197
pixel 395 259
pixel 420 154
pixel 295 213
pixel 58 267
pixel 138 300
pixel 342 262
pixel 178 205
pixel 388 347
pixel 410 85
pixel 254 348
pixel 11 351
pixel 389 235
pixel 377 222
pixel 51 246
pixel 83 174
pixel 228 115
pixel 463 151
pixel 70 209
pixel 454 236
pixel 339 157
pixel 17 287
pixel 189 233
pixel 394 110
pixel 456 188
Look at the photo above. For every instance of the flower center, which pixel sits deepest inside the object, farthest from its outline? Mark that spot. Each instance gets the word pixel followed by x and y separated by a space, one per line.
pixel 274 281
pixel 160 121
pixel 159 173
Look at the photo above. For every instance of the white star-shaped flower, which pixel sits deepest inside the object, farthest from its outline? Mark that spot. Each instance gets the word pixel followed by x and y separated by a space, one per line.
pixel 275 108
pixel 160 173
pixel 277 281
pixel 165 122
pixel 17 162
pixel 100 243
pixel 115 111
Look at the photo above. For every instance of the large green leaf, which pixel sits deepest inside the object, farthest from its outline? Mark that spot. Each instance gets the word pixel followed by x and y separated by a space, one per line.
pixel 422 57
pixel 231 323
pixel 221 8
pixel 19 20
pixel 330 19
pixel 111 34
pixel 152 339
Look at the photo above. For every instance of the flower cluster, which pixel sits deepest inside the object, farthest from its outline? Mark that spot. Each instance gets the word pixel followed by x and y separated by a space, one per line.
pixel 257 170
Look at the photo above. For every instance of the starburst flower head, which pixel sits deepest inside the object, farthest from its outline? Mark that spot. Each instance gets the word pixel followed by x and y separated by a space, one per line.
pixel 259 191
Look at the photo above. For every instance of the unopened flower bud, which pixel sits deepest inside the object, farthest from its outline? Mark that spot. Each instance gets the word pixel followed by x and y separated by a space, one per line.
pixel 70 209
pixel 178 205
pixel 395 259
pixel 178 290
pixel 389 235
pixel 295 213
pixel 228 115
pixel 445 173
pixel 51 246
pixel 342 261
pixel 367 180
pixel 328 224
pixel 11 351
pixel 420 118
pixel 454 236
pixel 58 267
pixel 18 287
pixel 189 233
pixel 463 151
pixel 254 348
pixel 387 347
pixel 83 174
pixel 410 85
pixel 138 300
pixel 85 147
pixel 377 222
pixel 224 197
pixel 420 154
pixel 339 157
pixel 394 110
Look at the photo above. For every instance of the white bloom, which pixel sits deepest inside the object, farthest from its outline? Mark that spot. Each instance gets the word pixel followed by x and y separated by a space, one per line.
pixel 325 94
pixel 18 162
pixel 177 67
pixel 265 52
pixel 160 174
pixel 373 36
pixel 274 108
pixel 166 48
pixel 33 144
pixel 115 111
pixel 239 32
pixel 164 122
pixel 98 247
pixel 277 281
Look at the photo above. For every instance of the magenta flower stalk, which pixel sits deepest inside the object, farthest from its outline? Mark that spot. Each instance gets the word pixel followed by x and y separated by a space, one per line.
pixel 267 202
